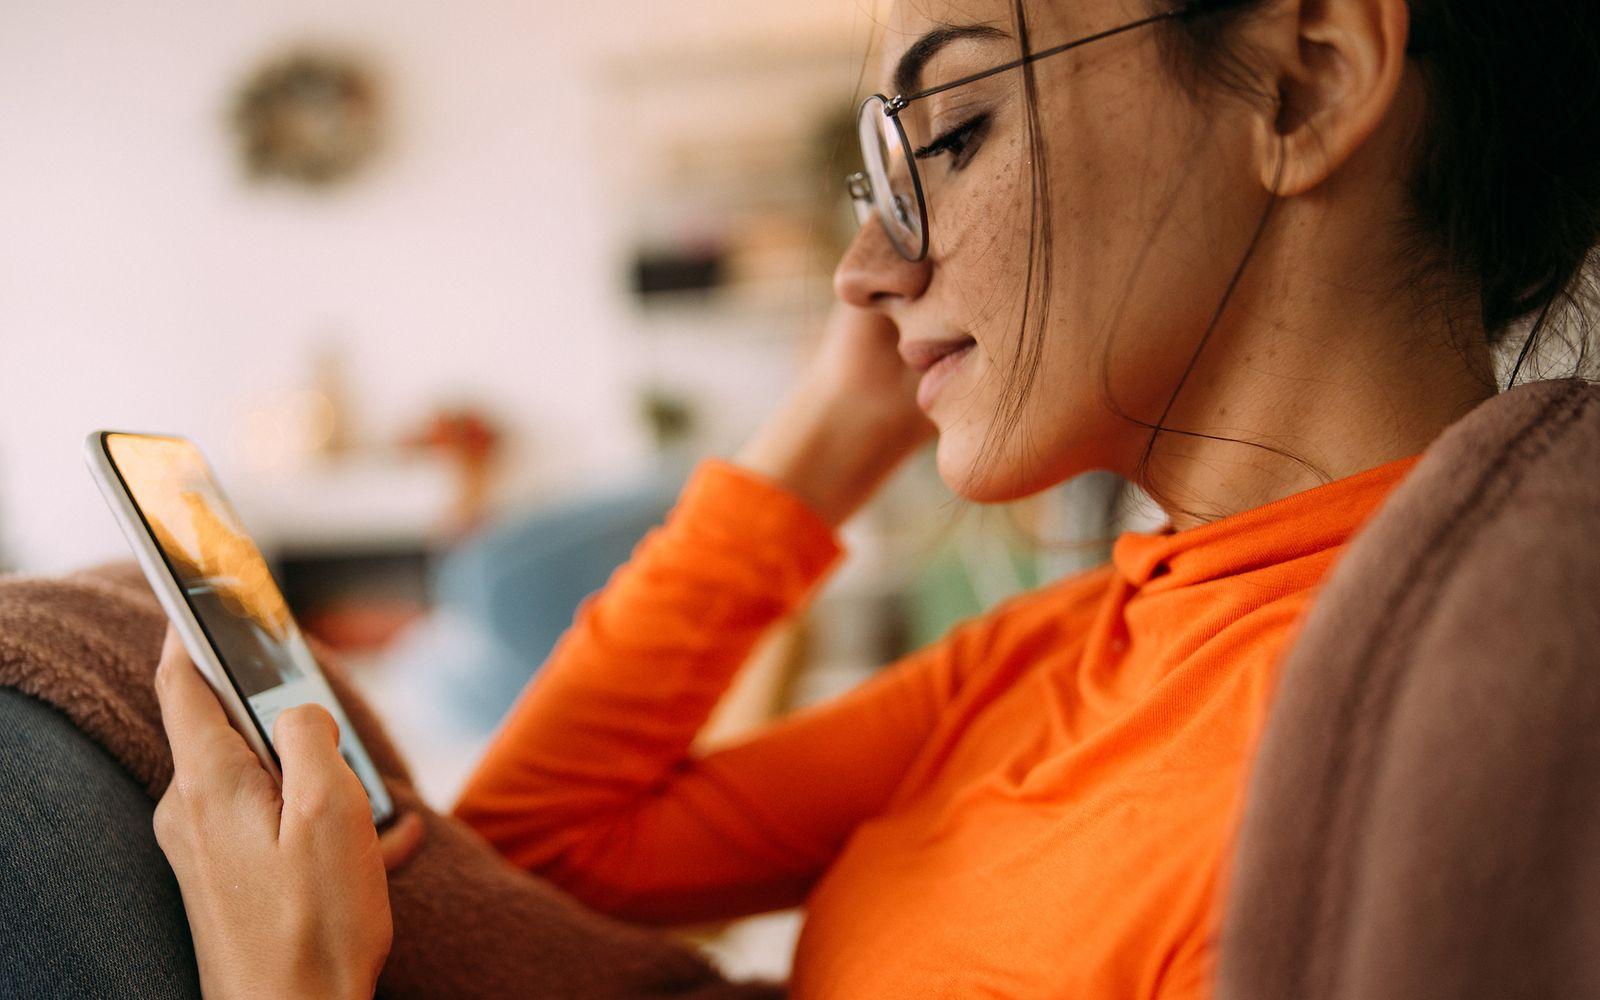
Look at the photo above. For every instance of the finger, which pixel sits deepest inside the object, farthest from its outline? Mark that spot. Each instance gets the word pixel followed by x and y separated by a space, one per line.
pixel 401 841
pixel 196 725
pixel 316 778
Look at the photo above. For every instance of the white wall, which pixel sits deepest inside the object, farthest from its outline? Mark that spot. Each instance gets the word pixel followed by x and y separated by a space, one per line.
pixel 144 285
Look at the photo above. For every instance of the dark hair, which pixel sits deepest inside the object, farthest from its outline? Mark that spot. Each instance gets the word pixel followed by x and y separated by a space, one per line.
pixel 1505 196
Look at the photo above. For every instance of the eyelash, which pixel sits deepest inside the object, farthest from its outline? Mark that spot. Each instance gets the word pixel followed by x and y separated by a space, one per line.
pixel 957 141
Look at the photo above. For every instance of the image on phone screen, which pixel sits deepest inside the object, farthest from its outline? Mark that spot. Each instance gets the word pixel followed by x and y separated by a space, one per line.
pixel 227 584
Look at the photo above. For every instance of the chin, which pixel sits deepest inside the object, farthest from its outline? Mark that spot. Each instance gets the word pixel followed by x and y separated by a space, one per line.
pixel 973 474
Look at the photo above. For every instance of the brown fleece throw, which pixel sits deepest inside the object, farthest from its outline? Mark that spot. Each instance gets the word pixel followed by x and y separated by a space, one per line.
pixel 466 923
pixel 1423 820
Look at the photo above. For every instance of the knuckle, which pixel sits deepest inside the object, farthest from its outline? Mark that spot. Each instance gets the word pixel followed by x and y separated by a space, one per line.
pixel 169 821
pixel 319 800
pixel 331 801
pixel 192 795
pixel 162 819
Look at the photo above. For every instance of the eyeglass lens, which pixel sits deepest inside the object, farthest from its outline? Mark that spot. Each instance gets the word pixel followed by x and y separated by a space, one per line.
pixel 886 157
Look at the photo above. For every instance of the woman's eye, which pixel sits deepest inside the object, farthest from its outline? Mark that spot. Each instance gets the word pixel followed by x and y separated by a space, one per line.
pixel 960 142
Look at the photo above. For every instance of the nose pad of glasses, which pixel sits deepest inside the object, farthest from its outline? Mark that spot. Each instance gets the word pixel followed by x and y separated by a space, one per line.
pixel 859 186
pixel 902 214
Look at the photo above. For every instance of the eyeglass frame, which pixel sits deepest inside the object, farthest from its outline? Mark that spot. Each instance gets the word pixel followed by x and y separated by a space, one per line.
pixel 859 185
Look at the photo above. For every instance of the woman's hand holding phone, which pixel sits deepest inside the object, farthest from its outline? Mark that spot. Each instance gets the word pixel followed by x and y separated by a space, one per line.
pixel 285 890
pixel 848 423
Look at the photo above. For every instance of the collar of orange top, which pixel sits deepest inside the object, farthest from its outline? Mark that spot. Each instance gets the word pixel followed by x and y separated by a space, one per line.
pixel 1298 524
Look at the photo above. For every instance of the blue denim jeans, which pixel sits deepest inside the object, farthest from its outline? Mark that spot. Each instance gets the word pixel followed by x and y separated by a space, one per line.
pixel 88 905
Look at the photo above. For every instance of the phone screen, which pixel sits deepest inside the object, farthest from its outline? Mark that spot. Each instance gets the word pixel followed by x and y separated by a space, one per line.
pixel 228 586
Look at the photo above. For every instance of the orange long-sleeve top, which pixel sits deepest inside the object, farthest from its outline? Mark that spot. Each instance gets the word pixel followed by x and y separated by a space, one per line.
pixel 1037 805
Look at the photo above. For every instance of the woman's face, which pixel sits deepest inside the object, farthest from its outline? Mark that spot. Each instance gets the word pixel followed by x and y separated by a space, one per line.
pixel 1150 207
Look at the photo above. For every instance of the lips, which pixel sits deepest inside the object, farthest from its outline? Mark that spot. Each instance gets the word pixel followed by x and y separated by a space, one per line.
pixel 938 361
pixel 920 355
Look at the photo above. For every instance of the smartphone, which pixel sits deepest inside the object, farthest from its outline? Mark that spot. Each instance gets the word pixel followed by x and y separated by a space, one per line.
pixel 218 592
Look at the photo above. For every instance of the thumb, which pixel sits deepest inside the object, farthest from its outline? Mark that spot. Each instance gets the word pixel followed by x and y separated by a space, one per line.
pixel 315 776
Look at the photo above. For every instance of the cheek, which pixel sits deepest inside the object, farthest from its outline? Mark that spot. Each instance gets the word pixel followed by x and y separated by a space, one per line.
pixel 979 241
pixel 1133 195
pixel 1106 192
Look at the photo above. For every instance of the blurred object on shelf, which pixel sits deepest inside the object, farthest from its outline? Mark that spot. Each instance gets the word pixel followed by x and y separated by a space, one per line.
pixel 471 441
pixel 330 381
pixel 658 270
pixel 311 117
pixel 462 432
pixel 283 432
pixel 669 415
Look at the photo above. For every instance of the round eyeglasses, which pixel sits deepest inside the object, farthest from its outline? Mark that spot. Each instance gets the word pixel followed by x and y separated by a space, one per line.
pixel 889 185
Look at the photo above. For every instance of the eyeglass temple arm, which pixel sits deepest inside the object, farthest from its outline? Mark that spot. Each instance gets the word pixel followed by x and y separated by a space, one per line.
pixel 1421 39
pixel 899 101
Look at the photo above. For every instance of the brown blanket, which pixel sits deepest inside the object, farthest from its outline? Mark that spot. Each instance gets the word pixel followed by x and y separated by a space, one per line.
pixel 466 924
pixel 1423 821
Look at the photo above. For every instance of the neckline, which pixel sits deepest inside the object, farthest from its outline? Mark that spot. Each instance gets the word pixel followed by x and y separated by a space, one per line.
pixel 1311 520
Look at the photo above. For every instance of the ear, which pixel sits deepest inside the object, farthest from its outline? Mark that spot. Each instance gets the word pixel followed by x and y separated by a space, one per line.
pixel 1336 66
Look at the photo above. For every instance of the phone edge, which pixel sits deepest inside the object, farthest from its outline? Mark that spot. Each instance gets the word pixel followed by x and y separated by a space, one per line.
pixel 160 577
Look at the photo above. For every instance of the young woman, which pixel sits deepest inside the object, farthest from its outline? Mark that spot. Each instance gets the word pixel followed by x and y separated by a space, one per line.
pixel 1252 255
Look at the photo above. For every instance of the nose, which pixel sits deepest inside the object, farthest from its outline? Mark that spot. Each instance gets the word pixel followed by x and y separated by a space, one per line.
pixel 871 271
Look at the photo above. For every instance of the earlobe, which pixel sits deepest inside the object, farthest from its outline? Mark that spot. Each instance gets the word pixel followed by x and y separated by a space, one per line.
pixel 1335 81
pixel 1271 155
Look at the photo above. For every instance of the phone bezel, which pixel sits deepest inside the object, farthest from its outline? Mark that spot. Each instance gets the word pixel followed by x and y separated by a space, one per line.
pixel 164 580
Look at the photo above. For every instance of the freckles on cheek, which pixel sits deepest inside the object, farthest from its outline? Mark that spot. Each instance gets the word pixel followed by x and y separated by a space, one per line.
pixel 985 260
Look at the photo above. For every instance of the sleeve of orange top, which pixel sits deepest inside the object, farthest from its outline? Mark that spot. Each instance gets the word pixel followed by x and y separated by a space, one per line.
pixel 591 781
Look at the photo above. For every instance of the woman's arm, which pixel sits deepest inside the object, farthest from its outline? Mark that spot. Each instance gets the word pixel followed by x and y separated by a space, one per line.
pixel 591 781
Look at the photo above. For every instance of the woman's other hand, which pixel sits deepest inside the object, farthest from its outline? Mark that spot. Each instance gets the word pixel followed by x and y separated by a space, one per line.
pixel 848 423
pixel 285 891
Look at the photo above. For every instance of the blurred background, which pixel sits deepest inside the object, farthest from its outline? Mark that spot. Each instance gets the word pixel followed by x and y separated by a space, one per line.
pixel 453 296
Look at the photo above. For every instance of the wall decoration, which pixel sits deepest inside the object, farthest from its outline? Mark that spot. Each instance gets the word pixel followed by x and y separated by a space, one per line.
pixel 309 117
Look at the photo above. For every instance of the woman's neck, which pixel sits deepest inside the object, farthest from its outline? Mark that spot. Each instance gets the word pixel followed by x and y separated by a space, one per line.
pixel 1336 381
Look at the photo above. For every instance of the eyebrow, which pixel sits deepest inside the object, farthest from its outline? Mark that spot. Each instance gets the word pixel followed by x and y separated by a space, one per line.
pixel 908 71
